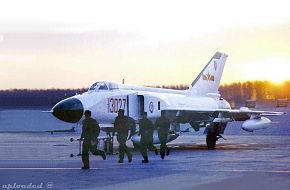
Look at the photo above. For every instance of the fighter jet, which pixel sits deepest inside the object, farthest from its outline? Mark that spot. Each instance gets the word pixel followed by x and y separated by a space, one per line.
pixel 201 105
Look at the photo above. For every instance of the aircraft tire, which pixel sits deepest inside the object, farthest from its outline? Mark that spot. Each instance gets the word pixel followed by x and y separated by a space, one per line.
pixel 211 140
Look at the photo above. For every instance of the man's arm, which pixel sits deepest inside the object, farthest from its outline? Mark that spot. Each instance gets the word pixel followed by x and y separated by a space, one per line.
pixel 169 123
pixel 132 128
pixel 97 129
pixel 116 125
pixel 152 126
pixel 140 127
pixel 156 125
pixel 82 134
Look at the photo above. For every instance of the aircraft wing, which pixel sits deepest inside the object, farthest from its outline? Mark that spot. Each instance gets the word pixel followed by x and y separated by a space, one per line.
pixel 241 114
pixel 245 110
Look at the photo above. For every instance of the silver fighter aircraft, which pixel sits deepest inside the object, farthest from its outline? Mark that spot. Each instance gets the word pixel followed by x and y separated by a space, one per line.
pixel 201 105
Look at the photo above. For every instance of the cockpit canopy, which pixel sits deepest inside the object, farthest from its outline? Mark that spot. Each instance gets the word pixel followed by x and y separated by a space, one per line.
pixel 99 86
pixel 103 86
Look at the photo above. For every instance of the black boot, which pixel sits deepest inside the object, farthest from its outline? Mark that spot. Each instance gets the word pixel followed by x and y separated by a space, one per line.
pixel 162 155
pixel 145 159
pixel 156 152
pixel 130 158
pixel 86 162
pixel 167 151
pixel 85 168
pixel 103 155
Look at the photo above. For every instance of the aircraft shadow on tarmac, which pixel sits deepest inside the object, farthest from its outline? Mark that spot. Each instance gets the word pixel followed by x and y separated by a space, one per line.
pixel 231 146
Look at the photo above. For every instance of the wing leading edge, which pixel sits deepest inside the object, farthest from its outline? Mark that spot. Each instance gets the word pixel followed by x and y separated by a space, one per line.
pixel 241 114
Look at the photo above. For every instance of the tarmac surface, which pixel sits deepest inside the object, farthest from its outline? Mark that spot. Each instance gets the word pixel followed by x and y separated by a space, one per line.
pixel 240 162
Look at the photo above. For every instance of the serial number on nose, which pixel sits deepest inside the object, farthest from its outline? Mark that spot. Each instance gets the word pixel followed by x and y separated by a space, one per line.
pixel 114 104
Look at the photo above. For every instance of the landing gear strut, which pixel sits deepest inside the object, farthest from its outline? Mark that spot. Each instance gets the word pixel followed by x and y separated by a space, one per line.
pixel 211 139
pixel 109 144
pixel 214 134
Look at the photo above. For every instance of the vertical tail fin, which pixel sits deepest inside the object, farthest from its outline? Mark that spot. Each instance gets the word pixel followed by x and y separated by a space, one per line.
pixel 209 78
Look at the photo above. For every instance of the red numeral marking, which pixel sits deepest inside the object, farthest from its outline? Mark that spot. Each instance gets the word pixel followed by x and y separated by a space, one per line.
pixel 114 104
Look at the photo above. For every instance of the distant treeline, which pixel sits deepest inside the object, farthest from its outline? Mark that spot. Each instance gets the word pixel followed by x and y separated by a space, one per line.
pixel 255 90
pixel 235 92
pixel 27 98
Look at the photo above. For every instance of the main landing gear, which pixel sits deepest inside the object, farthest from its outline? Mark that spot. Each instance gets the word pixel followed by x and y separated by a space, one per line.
pixel 214 132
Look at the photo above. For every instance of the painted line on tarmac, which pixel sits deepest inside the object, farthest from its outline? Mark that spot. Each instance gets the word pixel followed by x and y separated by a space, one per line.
pixel 47 168
pixel 117 166
pixel 254 171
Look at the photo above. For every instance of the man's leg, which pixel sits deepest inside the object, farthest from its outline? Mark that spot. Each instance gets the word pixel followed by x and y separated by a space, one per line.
pixel 85 155
pixel 167 150
pixel 144 152
pixel 121 151
pixel 152 148
pixel 162 149
pixel 127 151
pixel 97 152
pixel 163 139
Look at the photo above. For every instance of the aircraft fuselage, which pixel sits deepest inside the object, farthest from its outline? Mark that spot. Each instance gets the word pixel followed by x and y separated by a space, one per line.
pixel 105 104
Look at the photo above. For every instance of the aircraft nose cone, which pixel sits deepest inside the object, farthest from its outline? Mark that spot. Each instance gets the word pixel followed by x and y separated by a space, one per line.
pixel 70 110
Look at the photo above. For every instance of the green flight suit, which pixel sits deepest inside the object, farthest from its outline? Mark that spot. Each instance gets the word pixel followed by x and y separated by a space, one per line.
pixel 90 133
pixel 162 125
pixel 122 125
pixel 146 129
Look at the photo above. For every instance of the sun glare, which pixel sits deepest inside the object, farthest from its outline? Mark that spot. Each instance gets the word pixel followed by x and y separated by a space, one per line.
pixel 276 70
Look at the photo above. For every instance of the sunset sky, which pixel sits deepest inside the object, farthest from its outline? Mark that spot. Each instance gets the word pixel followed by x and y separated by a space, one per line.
pixel 72 44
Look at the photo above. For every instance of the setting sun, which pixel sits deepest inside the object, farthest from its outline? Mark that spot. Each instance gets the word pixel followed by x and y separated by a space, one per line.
pixel 273 69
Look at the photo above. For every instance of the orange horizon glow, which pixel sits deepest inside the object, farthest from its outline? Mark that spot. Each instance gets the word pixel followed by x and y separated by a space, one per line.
pixel 274 83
